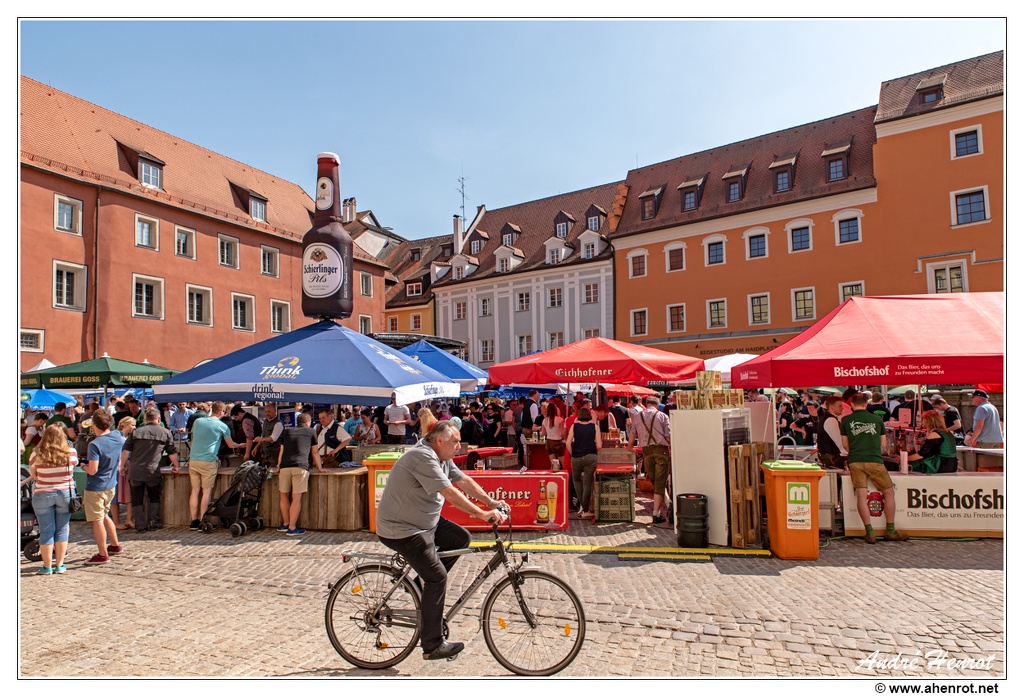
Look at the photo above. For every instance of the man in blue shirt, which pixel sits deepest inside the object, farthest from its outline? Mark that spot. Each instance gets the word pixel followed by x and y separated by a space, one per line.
pixel 101 485
pixel 986 433
pixel 207 434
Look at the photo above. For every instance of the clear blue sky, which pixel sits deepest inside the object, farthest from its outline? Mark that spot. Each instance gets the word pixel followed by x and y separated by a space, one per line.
pixel 522 109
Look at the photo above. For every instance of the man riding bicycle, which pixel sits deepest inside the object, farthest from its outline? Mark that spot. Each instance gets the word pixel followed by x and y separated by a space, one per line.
pixel 409 522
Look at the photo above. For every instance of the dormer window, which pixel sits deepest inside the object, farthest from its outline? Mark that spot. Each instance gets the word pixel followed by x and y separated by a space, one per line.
pixel 650 200
pixel 503 265
pixel 929 90
pixel 690 192
pixel 506 239
pixel 594 223
pixel 446 250
pixel 475 246
pixel 416 288
pixel 734 191
pixel 554 256
pixel 589 250
pixel 458 272
pixel 782 170
pixel 151 173
pixel 561 229
pixel 415 255
pixel 258 208
pixel 837 162
pixel 735 181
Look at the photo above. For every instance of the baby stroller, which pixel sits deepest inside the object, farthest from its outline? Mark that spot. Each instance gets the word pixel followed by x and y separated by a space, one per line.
pixel 238 507
pixel 29 524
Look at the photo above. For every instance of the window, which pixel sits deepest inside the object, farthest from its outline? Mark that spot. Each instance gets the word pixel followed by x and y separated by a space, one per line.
pixel 561 229
pixel 200 305
pixel 503 265
pixel 227 251
pixel 525 342
pixel 591 333
pixel 523 302
pixel 594 223
pixel 392 324
pixel 690 200
pixel 675 259
pixel 485 307
pixel 734 194
pixel 506 239
pixel 716 253
pixel 243 316
pixel 716 318
pixel 487 350
pixel 554 256
pixel 458 272
pixel 589 250
pixel 849 231
pixel 782 181
pixel 638 322
pixel 460 310
pixel 757 246
pixel 446 250
pixel 185 242
pixel 554 297
pixel 555 339
pixel 366 284
pixel 414 288
pixel 836 169
pixel 416 322
pixel 803 304
pixel 151 174
pixel 269 261
pixel 31 340
pixel 966 141
pixel 462 353
pixel 365 324
pixel 67 214
pixel 280 316
pixel 946 278
pixel 258 208
pixel 799 239
pixel 759 309
pixel 649 208
pixel 971 207
pixel 149 297
pixel 474 247
pixel 637 263
pixel 677 318
pixel 590 293
pixel 415 255
pixel 147 232
pixel 848 290
pixel 931 96
pixel 68 286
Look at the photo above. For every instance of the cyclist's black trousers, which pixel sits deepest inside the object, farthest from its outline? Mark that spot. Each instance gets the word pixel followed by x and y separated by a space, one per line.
pixel 421 553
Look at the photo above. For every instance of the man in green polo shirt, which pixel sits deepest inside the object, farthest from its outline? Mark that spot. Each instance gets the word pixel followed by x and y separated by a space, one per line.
pixel 863 436
pixel 59 418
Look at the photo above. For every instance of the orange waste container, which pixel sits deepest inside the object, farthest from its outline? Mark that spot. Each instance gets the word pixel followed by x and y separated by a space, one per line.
pixel 378 466
pixel 791 489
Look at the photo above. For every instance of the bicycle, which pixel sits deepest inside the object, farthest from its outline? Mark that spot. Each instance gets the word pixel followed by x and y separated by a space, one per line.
pixel 533 622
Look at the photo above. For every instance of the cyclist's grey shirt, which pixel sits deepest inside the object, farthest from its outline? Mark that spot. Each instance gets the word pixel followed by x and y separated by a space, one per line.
pixel 411 503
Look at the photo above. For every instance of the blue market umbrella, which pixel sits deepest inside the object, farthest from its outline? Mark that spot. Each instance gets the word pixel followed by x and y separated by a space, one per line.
pixel 322 362
pixel 469 377
pixel 45 399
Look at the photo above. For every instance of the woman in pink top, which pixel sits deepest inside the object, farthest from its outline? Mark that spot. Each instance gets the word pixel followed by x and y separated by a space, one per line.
pixel 52 469
pixel 554 436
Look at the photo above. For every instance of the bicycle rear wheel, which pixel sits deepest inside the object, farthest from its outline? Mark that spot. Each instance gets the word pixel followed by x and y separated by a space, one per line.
pixel 549 646
pixel 367 632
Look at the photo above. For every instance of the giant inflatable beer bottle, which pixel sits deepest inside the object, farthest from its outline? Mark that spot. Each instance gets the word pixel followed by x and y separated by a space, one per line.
pixel 327 249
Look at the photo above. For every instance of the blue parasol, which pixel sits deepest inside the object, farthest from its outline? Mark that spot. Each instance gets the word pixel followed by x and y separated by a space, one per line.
pixel 45 399
pixel 469 377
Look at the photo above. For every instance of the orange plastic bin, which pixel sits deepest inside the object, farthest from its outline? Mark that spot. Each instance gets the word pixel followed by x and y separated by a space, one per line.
pixel 791 490
pixel 378 466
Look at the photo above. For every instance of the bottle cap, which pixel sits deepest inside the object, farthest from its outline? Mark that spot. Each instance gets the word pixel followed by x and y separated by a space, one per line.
pixel 329 156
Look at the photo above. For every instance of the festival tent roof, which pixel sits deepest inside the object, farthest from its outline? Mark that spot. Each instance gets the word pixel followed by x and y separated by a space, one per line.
pixel 598 360
pixel 97 372
pixel 924 339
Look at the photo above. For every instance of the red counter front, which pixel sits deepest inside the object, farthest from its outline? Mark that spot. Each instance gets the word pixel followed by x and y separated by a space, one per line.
pixel 522 493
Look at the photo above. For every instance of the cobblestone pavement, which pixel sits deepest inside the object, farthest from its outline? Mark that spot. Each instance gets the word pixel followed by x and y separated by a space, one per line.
pixel 182 603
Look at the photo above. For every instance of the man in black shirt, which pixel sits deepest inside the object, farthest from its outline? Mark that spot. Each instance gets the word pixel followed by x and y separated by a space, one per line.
pixel 805 428
pixel 619 413
pixel 877 406
pixel 297 445
pixel 146 445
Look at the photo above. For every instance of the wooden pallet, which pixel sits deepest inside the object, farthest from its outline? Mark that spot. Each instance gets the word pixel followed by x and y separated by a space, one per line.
pixel 745 493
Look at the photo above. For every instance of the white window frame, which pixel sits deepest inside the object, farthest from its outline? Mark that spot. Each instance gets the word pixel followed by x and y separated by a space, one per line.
pixel 799 223
pixel 190 234
pixel 554 255
pixel 970 190
pixel 229 242
pixel 365 324
pixel 150 166
pixel 552 293
pixel 416 322
pixel 258 208
pixel 365 283
pixel 589 250
pixel 561 230
pixel 460 310
pixel 706 244
pixel 754 232
pixel 475 246
pixel 591 333
pixel 844 284
pixel 252 312
pixel 487 350
pixel 814 304
pixel 504 264
pixel 206 292
pixel 668 318
pixel 80 288
pixel 671 247
pixel 287 306
pixel 594 223
pixel 629 262
pixel 555 339
pixel 597 292
pixel 485 307
pixel 458 272
pixel 849 214
pixel 158 296
pixel 522 306
pixel 632 321
pixel 966 129
pixel 392 324
pixel 412 286
pixel 750 308
pixel 155 231
pixel 275 254
pixel 39 333
pixel 524 345
pixel 76 214
pixel 930 269
pixel 725 312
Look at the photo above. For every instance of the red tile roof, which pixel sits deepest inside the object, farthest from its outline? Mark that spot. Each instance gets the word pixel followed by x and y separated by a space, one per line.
pixel 400 261
pixel 755 156
pixel 962 82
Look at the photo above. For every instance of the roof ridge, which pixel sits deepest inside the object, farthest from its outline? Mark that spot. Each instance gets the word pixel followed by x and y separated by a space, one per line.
pixel 492 211
pixel 941 67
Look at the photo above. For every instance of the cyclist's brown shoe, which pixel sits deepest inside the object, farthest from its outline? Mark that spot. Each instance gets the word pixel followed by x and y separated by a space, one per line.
pixel 447 649
pixel 896 536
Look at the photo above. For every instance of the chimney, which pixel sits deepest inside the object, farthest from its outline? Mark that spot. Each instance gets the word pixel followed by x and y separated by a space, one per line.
pixel 352 209
pixel 457 233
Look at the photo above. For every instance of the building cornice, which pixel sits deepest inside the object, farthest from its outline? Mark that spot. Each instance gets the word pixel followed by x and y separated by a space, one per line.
pixel 940 117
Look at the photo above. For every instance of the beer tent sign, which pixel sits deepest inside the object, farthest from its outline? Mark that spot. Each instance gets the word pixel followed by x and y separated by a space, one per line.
pixel 890 340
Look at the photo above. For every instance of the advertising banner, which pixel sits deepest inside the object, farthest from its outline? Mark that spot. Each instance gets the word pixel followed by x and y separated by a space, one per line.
pixel 523 493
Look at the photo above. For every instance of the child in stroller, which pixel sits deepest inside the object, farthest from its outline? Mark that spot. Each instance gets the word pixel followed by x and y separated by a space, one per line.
pixel 29 524
pixel 238 507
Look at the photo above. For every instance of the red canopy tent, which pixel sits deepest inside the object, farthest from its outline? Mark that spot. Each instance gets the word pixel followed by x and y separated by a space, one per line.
pixel 597 360
pixel 890 340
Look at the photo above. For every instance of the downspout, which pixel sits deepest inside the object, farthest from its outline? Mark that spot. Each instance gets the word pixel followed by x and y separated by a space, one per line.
pixel 95 280
pixel 614 293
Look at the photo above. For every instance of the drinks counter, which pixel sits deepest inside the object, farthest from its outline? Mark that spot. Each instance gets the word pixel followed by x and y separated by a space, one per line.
pixel 523 493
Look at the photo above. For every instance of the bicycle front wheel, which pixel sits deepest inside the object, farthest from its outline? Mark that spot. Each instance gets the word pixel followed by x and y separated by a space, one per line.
pixel 559 624
pixel 368 630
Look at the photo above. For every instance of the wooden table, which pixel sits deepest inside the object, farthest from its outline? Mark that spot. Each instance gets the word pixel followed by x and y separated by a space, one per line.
pixel 335 500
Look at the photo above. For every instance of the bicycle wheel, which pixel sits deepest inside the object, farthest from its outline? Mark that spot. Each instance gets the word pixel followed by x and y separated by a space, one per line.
pixel 367 632
pixel 560 624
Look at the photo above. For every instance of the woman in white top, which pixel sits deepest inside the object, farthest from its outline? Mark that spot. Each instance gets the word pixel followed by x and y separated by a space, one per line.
pixel 52 469
pixel 554 436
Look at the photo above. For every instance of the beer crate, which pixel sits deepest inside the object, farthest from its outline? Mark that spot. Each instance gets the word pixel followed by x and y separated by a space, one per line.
pixel 503 462
pixel 614 499
pixel 745 492
pixel 616 456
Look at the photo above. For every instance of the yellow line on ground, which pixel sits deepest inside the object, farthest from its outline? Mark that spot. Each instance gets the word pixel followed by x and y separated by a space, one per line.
pixel 666 557
pixel 603 549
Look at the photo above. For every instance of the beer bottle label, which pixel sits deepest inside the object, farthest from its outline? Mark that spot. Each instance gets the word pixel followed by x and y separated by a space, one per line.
pixel 323 270
pixel 324 194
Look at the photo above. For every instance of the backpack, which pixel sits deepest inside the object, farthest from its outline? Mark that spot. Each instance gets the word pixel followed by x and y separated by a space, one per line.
pixel 474 431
